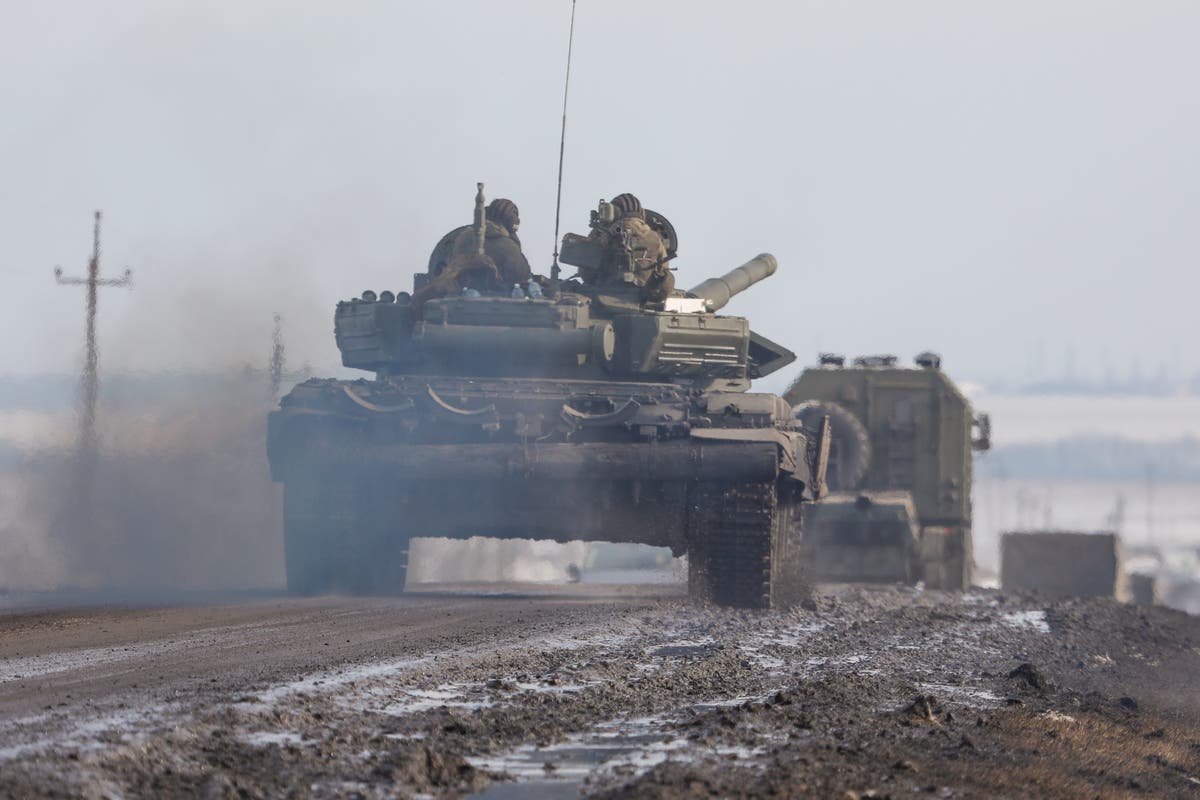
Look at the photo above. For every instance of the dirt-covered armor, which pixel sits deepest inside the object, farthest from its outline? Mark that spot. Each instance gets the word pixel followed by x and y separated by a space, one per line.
pixel 575 412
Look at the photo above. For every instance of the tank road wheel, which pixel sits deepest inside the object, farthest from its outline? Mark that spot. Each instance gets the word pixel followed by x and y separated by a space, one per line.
pixel 744 546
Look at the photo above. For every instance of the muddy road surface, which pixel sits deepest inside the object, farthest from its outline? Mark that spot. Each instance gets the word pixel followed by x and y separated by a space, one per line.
pixel 616 691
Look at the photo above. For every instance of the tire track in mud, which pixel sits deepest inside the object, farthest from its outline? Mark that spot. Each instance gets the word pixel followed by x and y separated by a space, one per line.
pixel 90 724
pixel 402 692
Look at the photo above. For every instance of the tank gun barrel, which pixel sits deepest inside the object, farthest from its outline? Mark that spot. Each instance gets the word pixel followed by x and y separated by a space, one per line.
pixel 719 291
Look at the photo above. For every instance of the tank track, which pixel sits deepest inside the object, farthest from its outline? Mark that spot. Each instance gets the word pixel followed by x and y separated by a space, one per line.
pixel 732 544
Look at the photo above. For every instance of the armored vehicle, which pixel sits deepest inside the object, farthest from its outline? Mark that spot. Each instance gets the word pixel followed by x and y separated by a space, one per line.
pixel 899 471
pixel 562 409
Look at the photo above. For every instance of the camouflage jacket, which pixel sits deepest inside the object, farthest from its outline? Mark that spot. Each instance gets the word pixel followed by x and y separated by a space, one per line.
pixel 499 245
pixel 632 246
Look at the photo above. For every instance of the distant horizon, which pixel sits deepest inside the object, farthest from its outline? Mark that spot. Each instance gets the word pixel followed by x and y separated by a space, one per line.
pixel 1081 386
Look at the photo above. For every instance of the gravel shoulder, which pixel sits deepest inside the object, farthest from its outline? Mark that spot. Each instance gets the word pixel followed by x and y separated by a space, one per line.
pixel 615 691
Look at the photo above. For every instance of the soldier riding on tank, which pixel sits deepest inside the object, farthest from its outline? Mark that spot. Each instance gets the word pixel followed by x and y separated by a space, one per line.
pixel 458 261
pixel 628 244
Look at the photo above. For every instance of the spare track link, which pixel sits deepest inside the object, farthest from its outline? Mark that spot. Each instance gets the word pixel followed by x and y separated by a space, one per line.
pixel 733 544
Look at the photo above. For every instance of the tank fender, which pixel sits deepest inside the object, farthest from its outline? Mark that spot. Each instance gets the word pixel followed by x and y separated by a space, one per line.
pixel 789 443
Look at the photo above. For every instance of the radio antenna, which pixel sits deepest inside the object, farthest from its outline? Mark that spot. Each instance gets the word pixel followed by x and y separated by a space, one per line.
pixel 562 145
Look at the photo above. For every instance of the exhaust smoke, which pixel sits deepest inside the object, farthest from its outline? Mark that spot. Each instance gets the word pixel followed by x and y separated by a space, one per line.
pixel 174 497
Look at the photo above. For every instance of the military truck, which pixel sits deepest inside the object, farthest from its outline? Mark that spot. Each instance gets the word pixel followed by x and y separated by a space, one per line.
pixel 560 410
pixel 899 471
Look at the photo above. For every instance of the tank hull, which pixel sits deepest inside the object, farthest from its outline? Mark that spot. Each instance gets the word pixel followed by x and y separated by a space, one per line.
pixel 369 465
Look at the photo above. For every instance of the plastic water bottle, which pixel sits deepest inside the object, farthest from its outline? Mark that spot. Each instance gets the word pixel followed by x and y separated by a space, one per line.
pixel 535 291
pixel 518 293
pixel 469 292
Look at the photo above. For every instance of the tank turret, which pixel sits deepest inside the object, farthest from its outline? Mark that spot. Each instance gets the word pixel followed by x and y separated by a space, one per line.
pixel 581 331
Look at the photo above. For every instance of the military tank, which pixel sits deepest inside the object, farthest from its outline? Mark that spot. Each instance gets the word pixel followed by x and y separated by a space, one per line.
pixel 899 471
pixel 571 411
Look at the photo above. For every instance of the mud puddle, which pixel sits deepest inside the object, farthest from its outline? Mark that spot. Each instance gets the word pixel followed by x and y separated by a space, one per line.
pixel 611 752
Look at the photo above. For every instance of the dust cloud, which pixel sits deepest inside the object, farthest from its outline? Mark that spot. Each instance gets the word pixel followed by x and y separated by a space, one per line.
pixel 180 500
pixel 172 492
pixel 177 497
pixel 174 495
pixel 483 559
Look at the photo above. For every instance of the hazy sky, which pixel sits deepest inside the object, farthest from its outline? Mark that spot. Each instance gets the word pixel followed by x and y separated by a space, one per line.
pixel 972 177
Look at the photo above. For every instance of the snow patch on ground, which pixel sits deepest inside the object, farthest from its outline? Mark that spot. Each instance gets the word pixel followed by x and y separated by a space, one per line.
pixel 13 669
pixel 1035 620
pixel 276 738
pixel 837 662
pixel 626 746
pixel 91 733
pixel 970 696
pixel 322 682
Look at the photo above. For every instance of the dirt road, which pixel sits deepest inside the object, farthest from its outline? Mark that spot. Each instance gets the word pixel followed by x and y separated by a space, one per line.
pixel 613 691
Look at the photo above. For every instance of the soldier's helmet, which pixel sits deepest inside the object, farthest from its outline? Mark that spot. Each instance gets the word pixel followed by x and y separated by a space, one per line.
pixel 627 204
pixel 504 212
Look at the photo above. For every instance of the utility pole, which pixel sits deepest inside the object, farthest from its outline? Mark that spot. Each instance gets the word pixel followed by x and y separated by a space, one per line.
pixel 278 359
pixel 88 439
